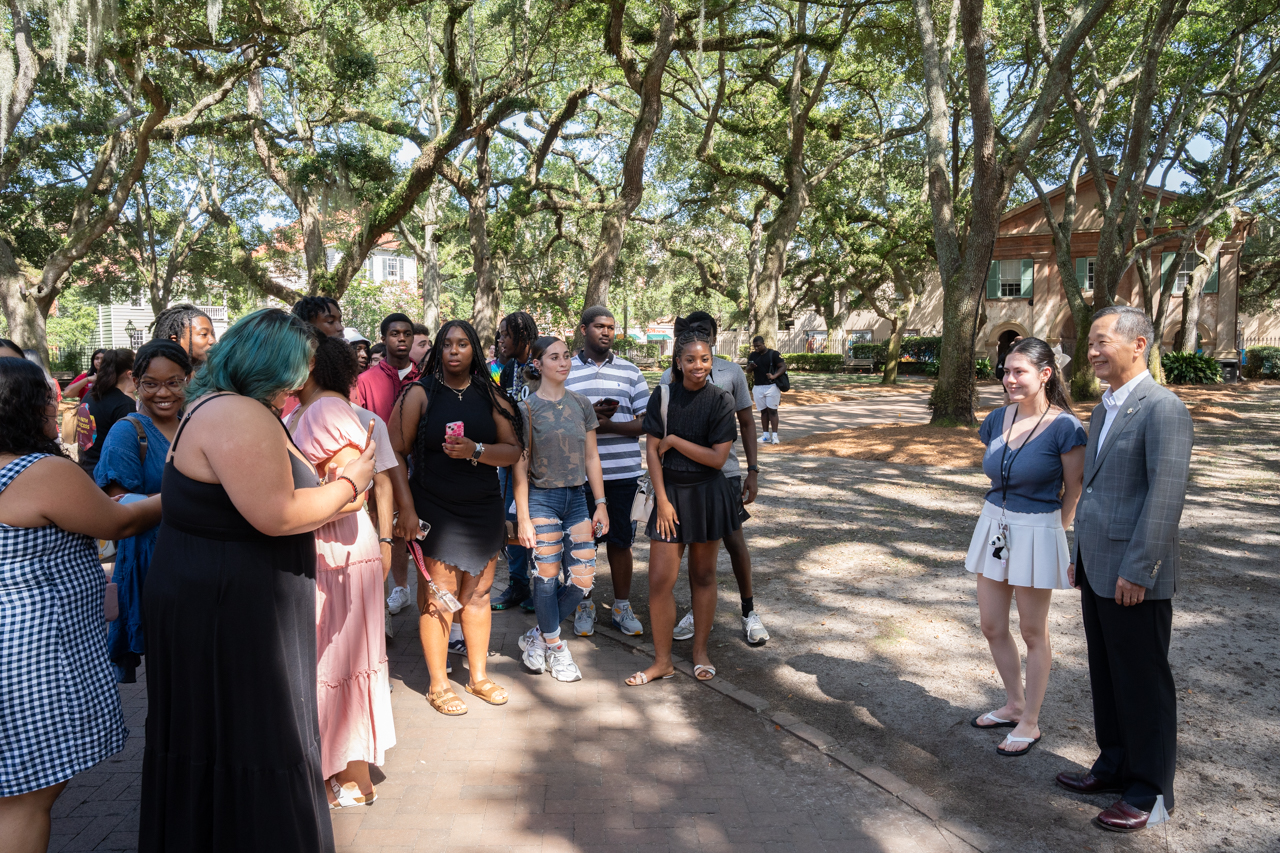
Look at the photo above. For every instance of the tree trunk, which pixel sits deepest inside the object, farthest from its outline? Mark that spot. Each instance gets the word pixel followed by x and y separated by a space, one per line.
pixel 648 85
pixel 488 296
pixel 893 353
pixel 1186 341
pixel 430 261
pixel 25 317
pixel 753 265
pixel 775 261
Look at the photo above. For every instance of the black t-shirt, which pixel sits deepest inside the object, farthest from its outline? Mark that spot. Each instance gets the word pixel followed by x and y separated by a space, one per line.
pixel 764 363
pixel 104 413
pixel 706 417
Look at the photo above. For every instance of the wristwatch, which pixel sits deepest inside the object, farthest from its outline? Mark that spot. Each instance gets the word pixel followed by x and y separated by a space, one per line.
pixel 477 453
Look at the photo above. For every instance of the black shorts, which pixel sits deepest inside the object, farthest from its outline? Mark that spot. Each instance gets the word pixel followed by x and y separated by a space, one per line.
pixel 619 494
pixel 735 483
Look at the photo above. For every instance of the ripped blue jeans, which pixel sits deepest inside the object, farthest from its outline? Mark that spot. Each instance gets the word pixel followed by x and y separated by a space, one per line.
pixel 564 561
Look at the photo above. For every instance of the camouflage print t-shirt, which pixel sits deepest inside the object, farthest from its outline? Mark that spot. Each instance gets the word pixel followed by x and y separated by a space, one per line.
pixel 559 437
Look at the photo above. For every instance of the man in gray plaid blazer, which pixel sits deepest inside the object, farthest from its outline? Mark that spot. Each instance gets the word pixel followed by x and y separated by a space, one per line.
pixel 1126 566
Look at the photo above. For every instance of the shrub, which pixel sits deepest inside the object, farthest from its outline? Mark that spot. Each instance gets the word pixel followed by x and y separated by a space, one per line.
pixel 636 350
pixel 983 370
pixel 1262 363
pixel 921 349
pixel 816 362
pixel 1190 368
pixel 879 352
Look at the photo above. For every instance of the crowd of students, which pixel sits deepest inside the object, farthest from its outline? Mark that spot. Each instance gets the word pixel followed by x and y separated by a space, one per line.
pixel 300 468
pixel 296 475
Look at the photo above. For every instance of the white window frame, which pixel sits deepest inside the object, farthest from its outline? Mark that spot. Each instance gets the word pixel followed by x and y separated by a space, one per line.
pixel 1010 272
pixel 860 336
pixel 393 262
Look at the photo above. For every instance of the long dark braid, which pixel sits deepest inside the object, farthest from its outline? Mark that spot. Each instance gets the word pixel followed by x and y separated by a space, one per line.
pixel 174 321
pixel 522 328
pixel 686 338
pixel 433 380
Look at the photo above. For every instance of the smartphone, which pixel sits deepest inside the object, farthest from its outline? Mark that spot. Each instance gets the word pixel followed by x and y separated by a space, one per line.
pixel 453 430
pixel 609 401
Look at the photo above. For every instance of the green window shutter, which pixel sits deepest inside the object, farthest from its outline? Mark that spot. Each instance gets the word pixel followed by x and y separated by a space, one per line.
pixel 1166 261
pixel 993 280
pixel 1211 286
pixel 1082 273
pixel 1028 279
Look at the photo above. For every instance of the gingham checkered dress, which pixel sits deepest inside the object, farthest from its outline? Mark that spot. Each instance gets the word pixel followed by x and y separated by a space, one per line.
pixel 59 709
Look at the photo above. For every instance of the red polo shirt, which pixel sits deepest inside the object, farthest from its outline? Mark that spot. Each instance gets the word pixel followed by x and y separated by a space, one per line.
pixel 379 386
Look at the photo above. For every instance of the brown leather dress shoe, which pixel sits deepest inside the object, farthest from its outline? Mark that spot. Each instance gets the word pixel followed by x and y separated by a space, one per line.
pixel 1122 817
pixel 1084 782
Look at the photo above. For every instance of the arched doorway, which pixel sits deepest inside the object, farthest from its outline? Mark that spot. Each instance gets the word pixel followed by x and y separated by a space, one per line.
pixel 1004 343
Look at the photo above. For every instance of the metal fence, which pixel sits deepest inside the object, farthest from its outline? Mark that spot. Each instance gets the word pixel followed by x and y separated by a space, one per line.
pixel 731 341
pixel 70 359
pixel 1254 341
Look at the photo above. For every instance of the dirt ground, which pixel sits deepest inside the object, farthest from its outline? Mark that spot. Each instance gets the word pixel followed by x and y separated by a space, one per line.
pixel 875 639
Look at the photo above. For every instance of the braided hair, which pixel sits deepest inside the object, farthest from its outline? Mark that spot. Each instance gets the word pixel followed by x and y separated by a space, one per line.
pixel 433 380
pixel 175 320
pixel 691 336
pixel 522 328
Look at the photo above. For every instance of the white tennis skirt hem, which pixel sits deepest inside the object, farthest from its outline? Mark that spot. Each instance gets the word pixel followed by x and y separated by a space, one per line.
pixel 1037 548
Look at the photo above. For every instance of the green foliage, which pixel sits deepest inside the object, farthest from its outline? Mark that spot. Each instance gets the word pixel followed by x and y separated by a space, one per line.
pixel 1262 363
pixel 366 302
pixel 630 348
pixel 922 349
pixel 815 362
pixel 74 321
pixel 983 370
pixel 879 352
pixel 1190 368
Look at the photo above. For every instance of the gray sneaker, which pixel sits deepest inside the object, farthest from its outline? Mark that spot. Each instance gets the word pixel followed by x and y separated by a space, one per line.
pixel 584 619
pixel 684 630
pixel 535 650
pixel 624 619
pixel 561 664
pixel 754 629
pixel 398 600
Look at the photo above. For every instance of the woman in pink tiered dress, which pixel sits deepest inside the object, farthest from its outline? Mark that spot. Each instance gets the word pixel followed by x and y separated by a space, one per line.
pixel 354 692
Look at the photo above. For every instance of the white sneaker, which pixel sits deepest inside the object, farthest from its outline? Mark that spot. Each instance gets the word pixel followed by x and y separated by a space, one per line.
pixel 386 623
pixel 684 630
pixel 776 439
pixel 584 619
pixel 398 600
pixel 535 650
pixel 624 619
pixel 754 629
pixel 766 439
pixel 561 664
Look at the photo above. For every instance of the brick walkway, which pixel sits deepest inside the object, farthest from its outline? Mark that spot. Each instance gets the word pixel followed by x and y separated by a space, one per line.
pixel 596 765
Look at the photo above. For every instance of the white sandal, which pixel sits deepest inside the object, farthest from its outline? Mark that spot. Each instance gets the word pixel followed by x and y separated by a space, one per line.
pixel 640 678
pixel 1009 738
pixel 349 797
pixel 700 668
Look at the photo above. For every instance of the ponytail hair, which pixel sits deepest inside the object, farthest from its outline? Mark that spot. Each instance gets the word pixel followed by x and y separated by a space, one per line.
pixel 532 375
pixel 115 364
pixel 1038 353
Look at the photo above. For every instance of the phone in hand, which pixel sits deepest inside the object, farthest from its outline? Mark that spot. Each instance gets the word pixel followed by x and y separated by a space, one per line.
pixel 453 430
pixel 609 401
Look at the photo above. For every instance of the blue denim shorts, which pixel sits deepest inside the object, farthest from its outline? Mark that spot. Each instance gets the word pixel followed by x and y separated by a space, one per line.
pixel 566 505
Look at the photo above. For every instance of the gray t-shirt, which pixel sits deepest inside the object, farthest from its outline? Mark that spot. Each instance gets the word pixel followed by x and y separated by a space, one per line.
pixel 729 376
pixel 556 435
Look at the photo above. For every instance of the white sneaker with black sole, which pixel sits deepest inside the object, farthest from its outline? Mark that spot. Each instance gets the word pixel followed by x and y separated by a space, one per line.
pixel 753 628
pixel 534 649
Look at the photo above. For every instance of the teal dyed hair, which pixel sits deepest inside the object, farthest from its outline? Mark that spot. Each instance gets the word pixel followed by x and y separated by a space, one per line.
pixel 265 353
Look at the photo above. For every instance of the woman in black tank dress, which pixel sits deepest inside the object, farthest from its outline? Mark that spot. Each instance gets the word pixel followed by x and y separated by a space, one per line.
pixel 232 757
pixel 456 426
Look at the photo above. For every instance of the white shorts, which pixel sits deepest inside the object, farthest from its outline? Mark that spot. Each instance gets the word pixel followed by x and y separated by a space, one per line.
pixel 767 396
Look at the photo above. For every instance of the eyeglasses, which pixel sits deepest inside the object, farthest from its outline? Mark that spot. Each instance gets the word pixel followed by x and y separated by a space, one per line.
pixel 151 386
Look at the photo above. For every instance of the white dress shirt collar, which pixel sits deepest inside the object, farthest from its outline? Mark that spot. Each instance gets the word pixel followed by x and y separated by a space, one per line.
pixel 1114 398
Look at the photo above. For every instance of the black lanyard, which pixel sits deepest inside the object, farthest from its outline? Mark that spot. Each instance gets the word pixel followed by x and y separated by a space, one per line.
pixel 1005 471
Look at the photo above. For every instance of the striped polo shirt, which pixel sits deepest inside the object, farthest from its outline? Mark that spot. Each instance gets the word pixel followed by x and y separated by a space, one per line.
pixel 620 380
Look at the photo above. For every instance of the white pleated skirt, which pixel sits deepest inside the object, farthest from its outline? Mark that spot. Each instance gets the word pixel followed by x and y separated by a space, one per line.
pixel 1037 548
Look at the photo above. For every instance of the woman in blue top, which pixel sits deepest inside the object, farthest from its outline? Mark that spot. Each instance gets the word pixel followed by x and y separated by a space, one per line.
pixel 132 462
pixel 1035 459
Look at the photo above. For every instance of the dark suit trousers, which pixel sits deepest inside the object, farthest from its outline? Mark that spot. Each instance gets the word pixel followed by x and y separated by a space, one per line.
pixel 1135 714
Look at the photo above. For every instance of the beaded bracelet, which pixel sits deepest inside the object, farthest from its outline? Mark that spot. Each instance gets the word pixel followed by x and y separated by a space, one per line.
pixel 355 493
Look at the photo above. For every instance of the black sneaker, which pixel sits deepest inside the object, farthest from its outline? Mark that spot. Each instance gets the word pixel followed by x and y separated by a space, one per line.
pixel 516 593
pixel 527 605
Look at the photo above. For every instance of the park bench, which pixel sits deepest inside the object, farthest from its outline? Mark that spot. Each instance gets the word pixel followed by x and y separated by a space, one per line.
pixel 855 364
